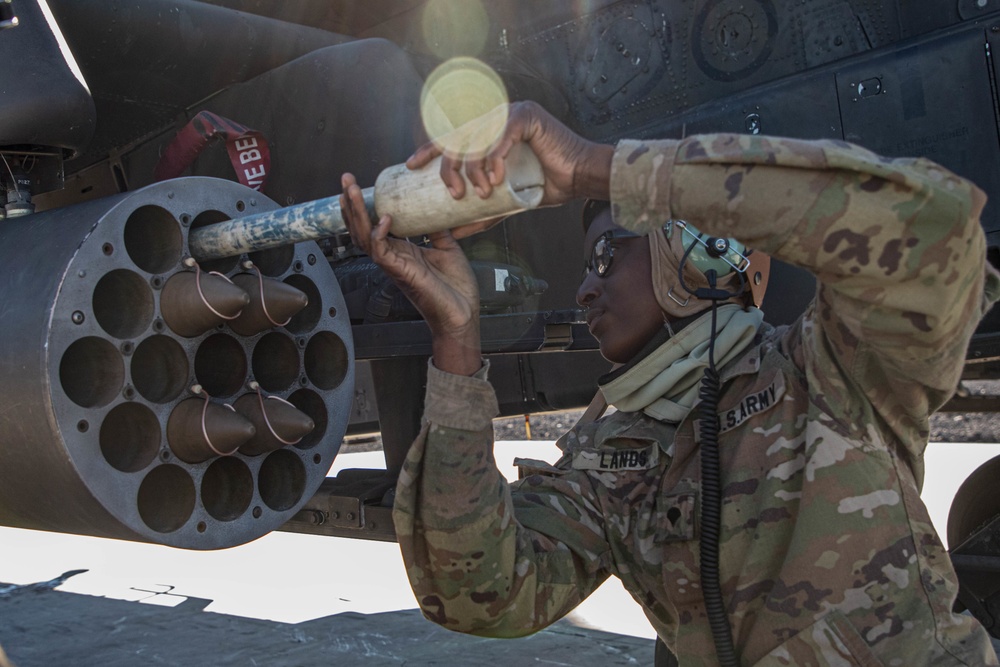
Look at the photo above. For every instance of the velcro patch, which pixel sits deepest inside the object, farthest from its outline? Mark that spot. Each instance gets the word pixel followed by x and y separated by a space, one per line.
pixel 613 460
pixel 675 517
pixel 753 404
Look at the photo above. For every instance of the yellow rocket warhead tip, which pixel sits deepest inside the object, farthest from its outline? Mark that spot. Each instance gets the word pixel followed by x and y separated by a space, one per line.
pixel 198 430
pixel 272 304
pixel 193 302
pixel 278 423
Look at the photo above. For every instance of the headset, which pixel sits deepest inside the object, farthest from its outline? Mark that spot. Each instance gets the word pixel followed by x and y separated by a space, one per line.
pixel 715 257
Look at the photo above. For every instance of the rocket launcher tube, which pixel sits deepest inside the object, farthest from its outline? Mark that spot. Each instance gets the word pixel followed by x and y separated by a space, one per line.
pixel 418 202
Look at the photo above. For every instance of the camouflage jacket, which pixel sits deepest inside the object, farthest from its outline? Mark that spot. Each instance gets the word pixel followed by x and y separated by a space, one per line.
pixel 828 556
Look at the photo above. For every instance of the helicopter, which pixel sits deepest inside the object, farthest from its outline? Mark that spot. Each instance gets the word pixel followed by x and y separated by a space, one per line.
pixel 128 126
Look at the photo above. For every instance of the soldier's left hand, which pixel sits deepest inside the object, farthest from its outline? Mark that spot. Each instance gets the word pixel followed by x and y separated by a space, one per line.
pixel 437 279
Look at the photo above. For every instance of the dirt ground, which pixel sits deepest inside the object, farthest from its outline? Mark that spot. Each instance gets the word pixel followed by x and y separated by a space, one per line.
pixel 969 426
pixel 945 426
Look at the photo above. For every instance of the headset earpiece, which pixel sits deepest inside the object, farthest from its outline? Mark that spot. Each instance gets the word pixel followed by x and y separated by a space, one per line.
pixel 724 255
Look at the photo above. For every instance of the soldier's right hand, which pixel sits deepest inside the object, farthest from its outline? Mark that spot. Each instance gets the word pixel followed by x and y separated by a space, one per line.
pixel 574 167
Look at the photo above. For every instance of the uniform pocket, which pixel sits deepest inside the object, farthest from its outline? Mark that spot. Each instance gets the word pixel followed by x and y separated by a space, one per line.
pixel 675 516
pixel 829 642
pixel 529 467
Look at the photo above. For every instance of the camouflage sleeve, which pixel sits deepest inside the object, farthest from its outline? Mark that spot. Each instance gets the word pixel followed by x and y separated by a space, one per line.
pixel 484 557
pixel 895 244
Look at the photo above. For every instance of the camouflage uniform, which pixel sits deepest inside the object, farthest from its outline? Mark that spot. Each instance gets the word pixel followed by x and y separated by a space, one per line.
pixel 828 556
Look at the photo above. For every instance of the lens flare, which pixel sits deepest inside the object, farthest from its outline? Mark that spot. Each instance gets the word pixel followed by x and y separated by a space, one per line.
pixel 458 92
pixel 455 27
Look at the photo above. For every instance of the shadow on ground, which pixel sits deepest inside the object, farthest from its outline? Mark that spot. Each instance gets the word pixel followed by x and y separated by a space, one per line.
pixel 41 627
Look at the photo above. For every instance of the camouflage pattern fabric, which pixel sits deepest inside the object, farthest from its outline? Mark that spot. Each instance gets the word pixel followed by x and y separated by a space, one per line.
pixel 828 556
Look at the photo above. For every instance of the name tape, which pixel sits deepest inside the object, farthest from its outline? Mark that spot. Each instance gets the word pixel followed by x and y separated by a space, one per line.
pixel 613 460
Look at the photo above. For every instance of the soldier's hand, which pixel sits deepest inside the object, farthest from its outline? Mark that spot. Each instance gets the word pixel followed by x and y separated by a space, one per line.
pixel 437 279
pixel 573 166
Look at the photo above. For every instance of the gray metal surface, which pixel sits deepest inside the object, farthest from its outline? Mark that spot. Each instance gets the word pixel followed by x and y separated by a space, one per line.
pixel 92 372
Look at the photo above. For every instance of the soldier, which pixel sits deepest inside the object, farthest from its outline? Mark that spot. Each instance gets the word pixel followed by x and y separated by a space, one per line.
pixel 826 554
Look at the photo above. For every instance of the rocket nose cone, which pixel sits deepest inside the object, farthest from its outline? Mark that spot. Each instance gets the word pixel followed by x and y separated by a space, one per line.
pixel 191 304
pixel 227 429
pixel 289 423
pixel 282 300
pixel 222 432
pixel 223 296
pixel 278 424
pixel 272 304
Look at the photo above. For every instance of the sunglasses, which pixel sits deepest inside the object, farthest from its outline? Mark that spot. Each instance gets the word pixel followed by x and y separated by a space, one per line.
pixel 603 251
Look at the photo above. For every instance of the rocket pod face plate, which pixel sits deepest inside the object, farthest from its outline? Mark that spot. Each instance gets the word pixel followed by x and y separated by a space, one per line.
pixel 116 371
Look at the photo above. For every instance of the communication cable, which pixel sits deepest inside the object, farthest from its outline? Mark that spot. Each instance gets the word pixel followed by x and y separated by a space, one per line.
pixel 711 476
